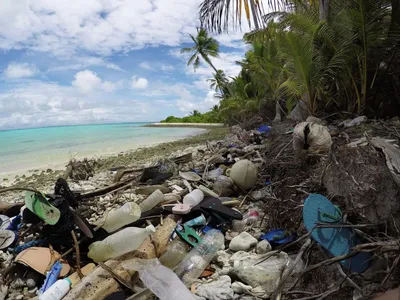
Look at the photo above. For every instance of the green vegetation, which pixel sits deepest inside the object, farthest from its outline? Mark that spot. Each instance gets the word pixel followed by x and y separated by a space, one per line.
pixel 196 117
pixel 329 55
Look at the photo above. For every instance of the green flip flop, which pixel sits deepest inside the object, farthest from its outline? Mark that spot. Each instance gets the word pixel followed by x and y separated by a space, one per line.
pixel 40 206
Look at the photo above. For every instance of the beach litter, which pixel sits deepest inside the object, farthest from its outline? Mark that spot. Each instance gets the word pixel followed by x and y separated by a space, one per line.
pixel 239 218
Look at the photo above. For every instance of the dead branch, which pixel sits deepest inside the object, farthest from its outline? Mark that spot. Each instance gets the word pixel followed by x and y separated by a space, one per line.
pixel 78 256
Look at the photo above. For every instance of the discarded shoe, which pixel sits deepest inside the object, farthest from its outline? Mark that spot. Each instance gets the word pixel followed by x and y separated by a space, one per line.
pixel 41 207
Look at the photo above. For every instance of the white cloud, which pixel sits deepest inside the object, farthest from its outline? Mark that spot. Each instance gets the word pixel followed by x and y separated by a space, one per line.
pixel 88 81
pixel 104 27
pixel 210 99
pixel 167 68
pixel 16 70
pixel 139 83
pixel 145 65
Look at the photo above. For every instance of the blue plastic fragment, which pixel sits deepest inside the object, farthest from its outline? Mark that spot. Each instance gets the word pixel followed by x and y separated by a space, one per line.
pixel 51 277
pixel 279 237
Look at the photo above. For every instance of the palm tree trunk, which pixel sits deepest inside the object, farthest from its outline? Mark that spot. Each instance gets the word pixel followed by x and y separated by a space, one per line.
pixel 323 9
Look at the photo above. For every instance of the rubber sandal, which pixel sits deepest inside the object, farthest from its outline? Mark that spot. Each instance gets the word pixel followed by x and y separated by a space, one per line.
pixel 41 207
pixel 7 238
pixel 337 241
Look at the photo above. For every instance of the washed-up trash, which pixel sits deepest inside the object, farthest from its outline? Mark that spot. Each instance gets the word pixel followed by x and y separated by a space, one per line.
pixel 51 277
pixel 190 176
pixel 57 291
pixel 39 258
pixel 188 235
pixel 264 129
pixel 199 257
pixel 355 122
pixel 181 209
pixel 124 215
pixel 152 201
pixel 148 190
pixel 7 238
pixel 4 222
pixel 391 295
pixel 213 174
pixel 201 220
pixel 278 237
pixel 74 277
pixel 311 137
pixel 337 241
pixel 10 209
pixel 244 174
pixel 41 207
pixel 160 279
pixel 223 186
pixel 119 243
pixel 264 274
pixel 174 254
pixel 207 191
pixel 193 198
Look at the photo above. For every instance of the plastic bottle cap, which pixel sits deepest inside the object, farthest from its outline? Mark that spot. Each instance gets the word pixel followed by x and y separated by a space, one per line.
pixel 69 280
pixel 150 229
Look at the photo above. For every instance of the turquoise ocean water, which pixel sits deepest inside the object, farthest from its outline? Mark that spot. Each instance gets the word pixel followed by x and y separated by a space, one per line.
pixel 25 149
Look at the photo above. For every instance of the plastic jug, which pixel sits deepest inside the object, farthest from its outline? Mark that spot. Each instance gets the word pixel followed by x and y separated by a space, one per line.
pixel 152 201
pixel 159 279
pixel 200 256
pixel 119 243
pixel 193 198
pixel 126 214
pixel 175 252
pixel 57 291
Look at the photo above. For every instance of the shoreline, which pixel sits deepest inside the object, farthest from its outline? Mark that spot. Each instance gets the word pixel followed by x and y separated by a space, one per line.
pixel 186 125
pixel 43 178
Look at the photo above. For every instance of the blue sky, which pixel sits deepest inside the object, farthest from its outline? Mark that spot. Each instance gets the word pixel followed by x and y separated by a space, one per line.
pixel 77 62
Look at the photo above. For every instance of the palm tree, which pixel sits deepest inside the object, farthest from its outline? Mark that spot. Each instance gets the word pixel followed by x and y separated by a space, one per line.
pixel 218 82
pixel 204 48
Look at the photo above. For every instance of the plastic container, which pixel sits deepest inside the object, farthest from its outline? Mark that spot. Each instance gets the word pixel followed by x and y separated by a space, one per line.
pixel 174 254
pixel 200 256
pixel 159 279
pixel 264 274
pixel 57 291
pixel 152 201
pixel 213 174
pixel 118 218
pixel 194 198
pixel 119 243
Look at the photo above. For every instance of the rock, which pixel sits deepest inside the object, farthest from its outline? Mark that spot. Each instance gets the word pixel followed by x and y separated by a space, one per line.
pixel 18 283
pixel 223 258
pixel 258 234
pixel 314 120
pixel 19 297
pixel 3 291
pixel 219 289
pixel 32 293
pixel 242 242
pixel 263 247
pixel 240 288
pixel 242 255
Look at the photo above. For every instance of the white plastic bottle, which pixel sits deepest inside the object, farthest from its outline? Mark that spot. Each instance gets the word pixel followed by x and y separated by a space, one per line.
pixel 152 201
pixel 193 198
pixel 119 243
pixel 57 291
pixel 126 214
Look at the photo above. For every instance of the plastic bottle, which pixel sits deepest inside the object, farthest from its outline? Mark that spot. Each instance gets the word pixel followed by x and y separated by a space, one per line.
pixel 160 280
pixel 193 198
pixel 200 256
pixel 119 243
pixel 175 252
pixel 152 201
pixel 57 291
pixel 126 214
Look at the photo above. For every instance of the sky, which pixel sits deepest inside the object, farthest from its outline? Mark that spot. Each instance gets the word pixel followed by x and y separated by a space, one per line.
pixel 70 62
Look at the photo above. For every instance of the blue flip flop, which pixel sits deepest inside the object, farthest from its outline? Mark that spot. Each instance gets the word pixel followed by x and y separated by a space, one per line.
pixel 337 241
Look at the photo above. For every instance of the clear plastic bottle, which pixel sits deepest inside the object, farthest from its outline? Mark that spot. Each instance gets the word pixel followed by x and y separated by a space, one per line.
pixel 175 252
pixel 152 201
pixel 159 279
pixel 57 291
pixel 119 243
pixel 200 256
pixel 126 214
